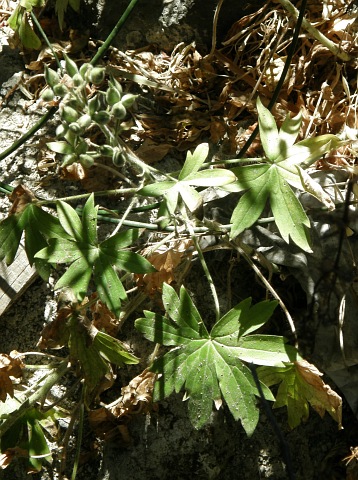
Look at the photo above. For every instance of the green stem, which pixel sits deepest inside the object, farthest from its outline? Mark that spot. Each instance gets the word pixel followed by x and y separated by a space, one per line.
pixel 105 46
pixel 206 270
pixel 38 25
pixel 332 47
pixel 51 379
pixel 49 114
pixel 79 437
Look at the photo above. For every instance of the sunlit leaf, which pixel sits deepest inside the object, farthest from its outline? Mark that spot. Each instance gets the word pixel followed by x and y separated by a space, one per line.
pixel 211 367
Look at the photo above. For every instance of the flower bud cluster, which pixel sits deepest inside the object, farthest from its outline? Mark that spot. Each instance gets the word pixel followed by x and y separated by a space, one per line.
pixel 81 110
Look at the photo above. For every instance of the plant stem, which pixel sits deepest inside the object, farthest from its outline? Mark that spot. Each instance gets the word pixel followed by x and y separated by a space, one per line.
pixel 206 271
pixel 332 47
pixel 30 401
pixel 104 47
pixel 49 114
pixel 38 25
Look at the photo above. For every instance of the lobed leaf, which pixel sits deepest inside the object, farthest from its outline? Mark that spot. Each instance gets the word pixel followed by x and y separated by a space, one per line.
pixel 211 367
pixel 70 221
pixel 268 132
pixel 194 161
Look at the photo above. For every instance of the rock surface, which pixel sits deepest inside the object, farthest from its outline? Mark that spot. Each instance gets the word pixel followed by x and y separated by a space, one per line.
pixel 165 23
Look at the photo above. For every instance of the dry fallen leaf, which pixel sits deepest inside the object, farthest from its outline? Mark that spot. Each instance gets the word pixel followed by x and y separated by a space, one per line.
pixel 320 395
pixel 20 197
pixel 166 261
pixel 10 366
pixel 10 454
pixel 110 422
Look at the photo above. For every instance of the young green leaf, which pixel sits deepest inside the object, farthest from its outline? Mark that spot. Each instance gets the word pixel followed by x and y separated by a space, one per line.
pixel 181 189
pixel 268 132
pixel 211 366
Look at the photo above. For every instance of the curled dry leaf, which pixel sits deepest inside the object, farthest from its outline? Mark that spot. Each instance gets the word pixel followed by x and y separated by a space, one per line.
pixel 20 197
pixel 10 366
pixel 320 395
pixel 110 422
pixel 10 454
pixel 166 260
pixel 103 319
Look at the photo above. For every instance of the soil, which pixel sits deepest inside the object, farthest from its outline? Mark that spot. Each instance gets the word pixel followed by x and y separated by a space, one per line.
pixel 164 445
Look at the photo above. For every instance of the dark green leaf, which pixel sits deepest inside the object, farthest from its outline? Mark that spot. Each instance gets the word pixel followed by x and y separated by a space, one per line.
pixel 70 220
pixel 109 287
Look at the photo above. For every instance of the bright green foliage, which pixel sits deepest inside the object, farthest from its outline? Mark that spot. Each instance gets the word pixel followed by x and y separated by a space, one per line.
pixel 38 226
pixel 211 366
pixel 27 434
pixel 81 249
pixel 189 176
pixel 300 385
pixel 271 180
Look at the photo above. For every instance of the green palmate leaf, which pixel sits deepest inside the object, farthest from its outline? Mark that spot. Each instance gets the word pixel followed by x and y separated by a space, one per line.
pixel 156 189
pixel 11 229
pixel 27 433
pixel 89 222
pixel 210 178
pixel 290 217
pixel 270 180
pixel 109 287
pixel 95 351
pixel 112 350
pixel 28 37
pixel 288 132
pixel 60 8
pixel 76 277
pixel 192 199
pixel 38 227
pixel 88 257
pixel 37 445
pixel 181 189
pixel 309 150
pixel 250 207
pixel 211 366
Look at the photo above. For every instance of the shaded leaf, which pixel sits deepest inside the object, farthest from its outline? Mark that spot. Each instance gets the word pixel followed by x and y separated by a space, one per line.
pixel 300 384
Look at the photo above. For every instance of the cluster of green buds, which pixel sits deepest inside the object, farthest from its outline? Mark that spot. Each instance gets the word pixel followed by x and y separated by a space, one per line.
pixel 80 110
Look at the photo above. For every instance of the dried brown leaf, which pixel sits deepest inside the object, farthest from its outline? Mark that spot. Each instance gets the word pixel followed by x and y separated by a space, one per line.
pixel 21 196
pixel 165 260
pixel 10 366
pixel 320 395
pixel 103 319
pixel 10 454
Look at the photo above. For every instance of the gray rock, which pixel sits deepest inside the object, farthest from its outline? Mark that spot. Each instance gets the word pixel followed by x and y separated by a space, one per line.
pixel 164 23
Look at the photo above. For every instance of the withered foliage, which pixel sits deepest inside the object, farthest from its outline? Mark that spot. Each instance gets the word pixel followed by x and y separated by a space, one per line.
pixel 10 366
pixel 110 422
pixel 167 259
